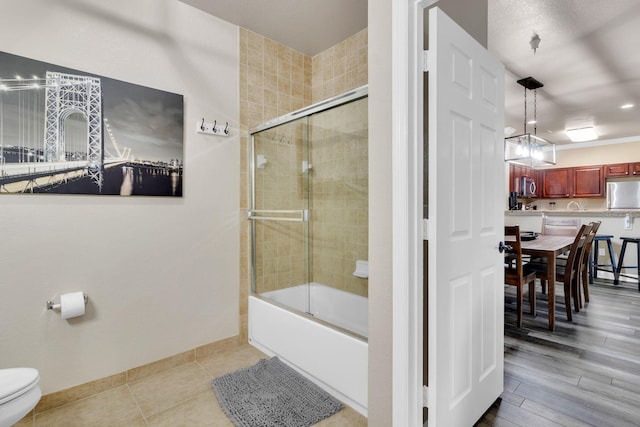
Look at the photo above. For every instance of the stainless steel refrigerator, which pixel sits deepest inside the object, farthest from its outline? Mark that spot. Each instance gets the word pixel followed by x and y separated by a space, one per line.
pixel 623 195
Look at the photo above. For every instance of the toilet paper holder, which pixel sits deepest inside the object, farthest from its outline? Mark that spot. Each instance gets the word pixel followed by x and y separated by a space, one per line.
pixel 52 306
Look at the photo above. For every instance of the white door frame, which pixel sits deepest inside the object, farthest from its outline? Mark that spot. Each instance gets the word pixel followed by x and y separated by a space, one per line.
pixel 407 211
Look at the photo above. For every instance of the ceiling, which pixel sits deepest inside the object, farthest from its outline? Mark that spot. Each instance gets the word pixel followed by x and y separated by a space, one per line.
pixel 308 26
pixel 586 59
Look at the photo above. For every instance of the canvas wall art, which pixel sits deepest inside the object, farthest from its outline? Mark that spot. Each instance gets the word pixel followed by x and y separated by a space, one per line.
pixel 65 131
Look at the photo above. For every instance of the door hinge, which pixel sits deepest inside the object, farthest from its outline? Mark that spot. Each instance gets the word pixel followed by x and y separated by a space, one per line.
pixel 425 396
pixel 425 229
pixel 425 61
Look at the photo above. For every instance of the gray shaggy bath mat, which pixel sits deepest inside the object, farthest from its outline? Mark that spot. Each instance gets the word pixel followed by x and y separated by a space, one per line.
pixel 270 393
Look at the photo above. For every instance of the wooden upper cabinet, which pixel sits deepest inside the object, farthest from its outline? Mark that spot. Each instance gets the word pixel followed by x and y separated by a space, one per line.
pixel 588 181
pixel 516 172
pixel 582 181
pixel 556 183
pixel 620 169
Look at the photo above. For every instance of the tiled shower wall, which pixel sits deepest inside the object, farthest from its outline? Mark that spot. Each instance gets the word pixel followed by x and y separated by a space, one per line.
pixel 340 68
pixel 275 80
pixel 281 254
pixel 339 201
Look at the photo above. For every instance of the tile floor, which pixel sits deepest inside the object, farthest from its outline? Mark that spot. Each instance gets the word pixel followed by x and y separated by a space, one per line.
pixel 181 396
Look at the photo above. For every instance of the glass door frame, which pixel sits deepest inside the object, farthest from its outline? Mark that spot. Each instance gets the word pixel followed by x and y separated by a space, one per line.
pixel 353 95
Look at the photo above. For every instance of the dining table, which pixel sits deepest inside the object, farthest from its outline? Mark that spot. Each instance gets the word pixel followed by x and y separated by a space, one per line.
pixel 549 246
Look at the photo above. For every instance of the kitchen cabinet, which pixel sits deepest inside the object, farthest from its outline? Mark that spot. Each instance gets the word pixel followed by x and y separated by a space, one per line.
pixel 622 169
pixel 588 181
pixel 517 172
pixel 556 183
pixel 584 181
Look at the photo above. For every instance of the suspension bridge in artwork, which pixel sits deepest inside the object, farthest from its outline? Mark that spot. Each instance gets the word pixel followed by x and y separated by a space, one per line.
pixel 52 130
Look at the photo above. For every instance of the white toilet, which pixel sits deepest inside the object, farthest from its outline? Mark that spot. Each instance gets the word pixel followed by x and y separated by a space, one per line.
pixel 19 394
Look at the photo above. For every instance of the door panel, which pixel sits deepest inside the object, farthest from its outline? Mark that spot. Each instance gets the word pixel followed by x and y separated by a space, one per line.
pixel 466 185
pixel 280 199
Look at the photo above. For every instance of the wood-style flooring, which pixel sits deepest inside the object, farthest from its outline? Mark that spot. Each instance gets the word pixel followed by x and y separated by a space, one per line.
pixel 586 373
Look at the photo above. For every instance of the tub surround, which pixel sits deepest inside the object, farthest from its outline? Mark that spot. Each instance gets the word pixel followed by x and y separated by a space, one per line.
pixel 275 80
pixel 338 308
pixel 333 360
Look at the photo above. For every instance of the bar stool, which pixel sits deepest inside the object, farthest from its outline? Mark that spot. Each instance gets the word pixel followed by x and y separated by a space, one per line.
pixel 626 240
pixel 593 262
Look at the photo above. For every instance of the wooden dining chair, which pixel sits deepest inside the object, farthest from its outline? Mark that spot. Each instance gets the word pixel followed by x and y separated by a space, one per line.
pixel 557 227
pixel 584 263
pixel 581 280
pixel 515 273
pixel 566 272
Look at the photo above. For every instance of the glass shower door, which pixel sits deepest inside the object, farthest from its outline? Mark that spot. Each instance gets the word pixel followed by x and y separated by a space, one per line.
pixel 280 214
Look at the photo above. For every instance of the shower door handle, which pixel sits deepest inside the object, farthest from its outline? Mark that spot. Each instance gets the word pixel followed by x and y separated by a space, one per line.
pixel 302 215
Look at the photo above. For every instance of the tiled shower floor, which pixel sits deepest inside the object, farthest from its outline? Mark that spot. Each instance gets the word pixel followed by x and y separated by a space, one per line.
pixel 181 396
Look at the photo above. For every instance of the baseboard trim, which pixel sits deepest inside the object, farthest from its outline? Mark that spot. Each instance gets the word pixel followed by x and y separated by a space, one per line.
pixel 82 391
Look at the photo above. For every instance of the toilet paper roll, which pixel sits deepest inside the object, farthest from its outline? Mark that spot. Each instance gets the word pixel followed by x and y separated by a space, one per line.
pixel 72 305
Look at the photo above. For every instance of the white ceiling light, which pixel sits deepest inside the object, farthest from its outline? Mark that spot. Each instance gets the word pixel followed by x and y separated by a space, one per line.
pixel 625 106
pixel 582 134
pixel 508 131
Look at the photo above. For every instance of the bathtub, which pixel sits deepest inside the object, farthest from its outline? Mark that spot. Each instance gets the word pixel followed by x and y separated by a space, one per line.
pixel 335 358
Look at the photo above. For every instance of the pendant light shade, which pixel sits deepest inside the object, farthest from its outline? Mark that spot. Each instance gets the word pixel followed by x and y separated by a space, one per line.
pixel 529 149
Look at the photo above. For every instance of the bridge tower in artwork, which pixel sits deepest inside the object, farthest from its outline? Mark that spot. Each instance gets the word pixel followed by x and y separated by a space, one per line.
pixel 67 94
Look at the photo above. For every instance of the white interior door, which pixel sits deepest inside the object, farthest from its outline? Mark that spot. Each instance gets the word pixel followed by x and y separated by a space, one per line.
pixel 466 222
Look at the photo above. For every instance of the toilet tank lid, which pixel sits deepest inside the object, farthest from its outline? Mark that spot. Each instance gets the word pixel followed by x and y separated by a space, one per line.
pixel 16 381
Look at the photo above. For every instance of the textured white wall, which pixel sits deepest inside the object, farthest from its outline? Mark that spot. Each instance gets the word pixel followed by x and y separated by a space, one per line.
pixel 161 273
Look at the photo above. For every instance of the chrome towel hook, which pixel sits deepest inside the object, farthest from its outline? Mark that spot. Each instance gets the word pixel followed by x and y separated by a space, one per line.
pixel 212 128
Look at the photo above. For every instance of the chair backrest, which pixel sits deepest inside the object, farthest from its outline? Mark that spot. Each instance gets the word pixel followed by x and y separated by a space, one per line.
pixel 575 253
pixel 560 226
pixel 515 253
pixel 584 257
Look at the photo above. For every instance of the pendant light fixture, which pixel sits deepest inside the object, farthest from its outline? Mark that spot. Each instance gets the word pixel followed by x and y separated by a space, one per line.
pixel 529 149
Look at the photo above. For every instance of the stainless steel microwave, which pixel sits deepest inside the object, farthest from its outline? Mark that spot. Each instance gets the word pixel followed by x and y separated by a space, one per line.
pixel 527 187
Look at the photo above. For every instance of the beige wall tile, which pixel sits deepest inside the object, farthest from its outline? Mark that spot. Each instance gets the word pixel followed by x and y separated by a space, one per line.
pixel 290 81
